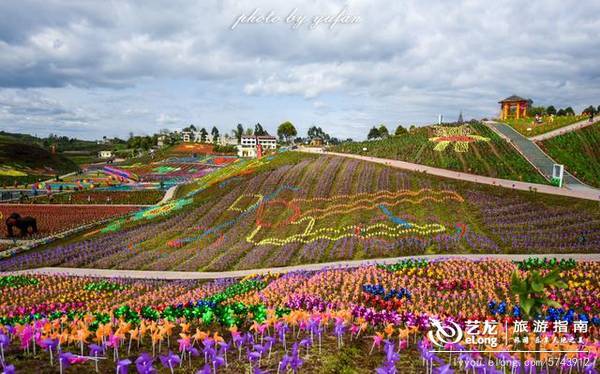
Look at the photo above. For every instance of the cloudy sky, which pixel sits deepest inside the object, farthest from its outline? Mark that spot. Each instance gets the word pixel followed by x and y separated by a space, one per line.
pixel 94 68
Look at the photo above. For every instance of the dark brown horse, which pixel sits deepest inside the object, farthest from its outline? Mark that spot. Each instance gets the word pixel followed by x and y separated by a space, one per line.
pixel 22 223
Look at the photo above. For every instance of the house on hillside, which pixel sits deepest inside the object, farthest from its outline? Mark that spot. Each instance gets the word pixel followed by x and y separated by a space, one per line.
pixel 105 154
pixel 253 146
pixel 317 141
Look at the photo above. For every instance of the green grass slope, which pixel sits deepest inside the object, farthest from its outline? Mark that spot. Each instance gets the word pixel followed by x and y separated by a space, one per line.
pixel 493 158
pixel 295 208
pixel 579 151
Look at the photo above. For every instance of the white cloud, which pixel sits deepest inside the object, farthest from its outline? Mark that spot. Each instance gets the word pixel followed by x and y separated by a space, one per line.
pixel 405 61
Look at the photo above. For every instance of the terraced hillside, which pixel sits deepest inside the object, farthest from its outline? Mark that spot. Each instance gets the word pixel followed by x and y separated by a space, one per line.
pixel 579 151
pixel 296 208
pixel 472 148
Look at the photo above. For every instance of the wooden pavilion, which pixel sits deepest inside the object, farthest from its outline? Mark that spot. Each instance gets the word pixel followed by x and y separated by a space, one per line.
pixel 514 106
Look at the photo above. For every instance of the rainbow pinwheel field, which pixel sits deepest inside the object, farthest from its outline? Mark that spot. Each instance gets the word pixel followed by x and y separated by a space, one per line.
pixel 370 318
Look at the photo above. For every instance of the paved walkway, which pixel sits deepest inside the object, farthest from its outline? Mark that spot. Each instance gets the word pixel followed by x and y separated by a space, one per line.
pixel 175 275
pixel 581 193
pixel 168 195
pixel 563 130
pixel 534 154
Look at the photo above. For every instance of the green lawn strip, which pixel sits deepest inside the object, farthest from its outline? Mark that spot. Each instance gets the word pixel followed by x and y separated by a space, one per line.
pixel 579 151
pixel 522 124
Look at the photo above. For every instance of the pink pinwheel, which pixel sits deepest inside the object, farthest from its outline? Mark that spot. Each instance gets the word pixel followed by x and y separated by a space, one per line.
pixel 184 343
pixel 377 340
pixel 25 336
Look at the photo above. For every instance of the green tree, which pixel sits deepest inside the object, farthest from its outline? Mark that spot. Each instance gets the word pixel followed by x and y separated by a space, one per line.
pixel 286 131
pixel 537 110
pixel 373 133
pixel 551 110
pixel 203 134
pixel 249 132
pixel 589 110
pixel 383 131
pixel 400 131
pixel 215 134
pixel 561 112
pixel 569 111
pixel 259 131
pixel 238 132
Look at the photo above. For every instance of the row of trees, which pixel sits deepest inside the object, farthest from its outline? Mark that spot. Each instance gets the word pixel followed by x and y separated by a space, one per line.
pixel 591 110
pixel 568 111
pixel 382 132
pixel 286 132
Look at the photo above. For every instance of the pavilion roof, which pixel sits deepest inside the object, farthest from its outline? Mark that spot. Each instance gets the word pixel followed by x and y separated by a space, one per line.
pixel 513 99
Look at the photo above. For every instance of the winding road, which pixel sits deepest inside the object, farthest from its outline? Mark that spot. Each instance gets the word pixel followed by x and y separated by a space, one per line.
pixel 181 275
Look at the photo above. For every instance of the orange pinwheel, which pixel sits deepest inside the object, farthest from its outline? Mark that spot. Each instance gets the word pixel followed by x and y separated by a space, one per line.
pixel 185 327
pixel 200 335
pixel 389 330
pixel 217 338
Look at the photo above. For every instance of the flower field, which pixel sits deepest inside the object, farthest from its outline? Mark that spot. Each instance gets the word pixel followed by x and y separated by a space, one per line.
pixel 55 219
pixel 579 151
pixel 294 208
pixel 372 318
pixel 133 197
pixel 472 148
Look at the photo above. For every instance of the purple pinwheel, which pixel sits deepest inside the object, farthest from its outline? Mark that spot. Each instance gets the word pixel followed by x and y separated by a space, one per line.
pixel 444 369
pixel 223 347
pixel 9 369
pixel 391 357
pixel 205 370
pixel 4 342
pixel 122 366
pixel 143 364
pixel 217 361
pixel 50 345
pixel 253 356
pixel 306 343
pixel 169 360
pixel 283 364
pixel 339 331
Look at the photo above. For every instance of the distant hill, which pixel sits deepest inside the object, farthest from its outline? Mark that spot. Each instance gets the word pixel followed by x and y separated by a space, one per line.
pixel 579 151
pixel 471 148
pixel 24 160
